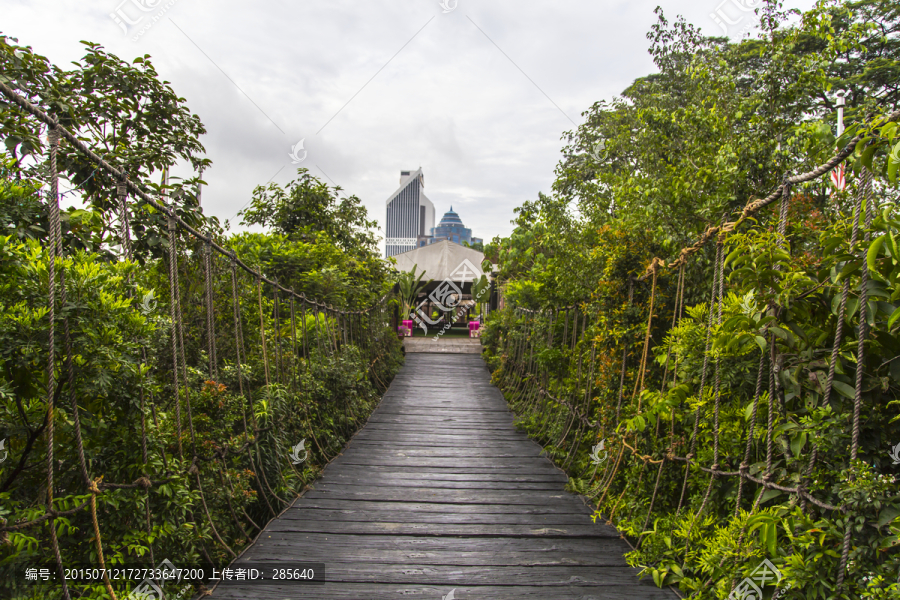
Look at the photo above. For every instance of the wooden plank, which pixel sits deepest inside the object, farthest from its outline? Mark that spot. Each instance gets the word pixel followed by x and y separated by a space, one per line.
pixel 378 591
pixel 367 444
pixel 586 530
pixel 502 556
pixel 509 498
pixel 371 481
pixel 453 575
pixel 314 544
pixel 460 470
pixel 385 473
pixel 436 507
pixel 370 458
pixel 455 518
pixel 532 453
pixel 455 439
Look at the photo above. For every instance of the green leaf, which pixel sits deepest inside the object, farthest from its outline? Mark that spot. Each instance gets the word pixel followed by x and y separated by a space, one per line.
pixel 787 336
pixel 761 342
pixel 872 254
pixel 849 269
pixel 748 411
pixel 894 164
pixel 888 514
pixel 843 389
pixel 769 494
pixel 734 322
pixel 732 255
pixel 893 318
pixel 771 531
pixel 868 155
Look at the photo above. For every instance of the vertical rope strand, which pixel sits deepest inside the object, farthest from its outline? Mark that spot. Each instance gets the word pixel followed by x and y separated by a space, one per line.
pixel 55 243
pixel 210 313
pixel 173 266
pixel 262 330
pixel 865 199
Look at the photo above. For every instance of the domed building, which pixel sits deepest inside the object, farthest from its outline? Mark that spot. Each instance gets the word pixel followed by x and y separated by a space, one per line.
pixel 452 229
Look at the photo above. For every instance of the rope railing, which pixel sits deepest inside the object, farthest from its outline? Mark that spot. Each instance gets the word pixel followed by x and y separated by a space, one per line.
pixel 529 386
pixel 287 364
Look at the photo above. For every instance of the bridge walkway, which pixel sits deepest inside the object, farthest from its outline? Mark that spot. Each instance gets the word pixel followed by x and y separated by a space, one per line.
pixel 440 497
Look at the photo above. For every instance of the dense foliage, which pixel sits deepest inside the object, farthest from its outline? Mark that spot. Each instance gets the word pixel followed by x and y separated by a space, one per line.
pixel 680 151
pixel 188 426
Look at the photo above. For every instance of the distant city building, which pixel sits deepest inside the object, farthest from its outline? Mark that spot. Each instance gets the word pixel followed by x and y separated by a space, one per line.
pixel 410 214
pixel 410 219
pixel 451 228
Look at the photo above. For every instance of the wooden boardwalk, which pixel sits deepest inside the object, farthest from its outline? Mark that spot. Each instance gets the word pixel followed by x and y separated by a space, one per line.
pixel 439 494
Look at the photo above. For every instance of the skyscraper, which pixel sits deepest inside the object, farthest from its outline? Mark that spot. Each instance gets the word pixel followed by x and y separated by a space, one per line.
pixel 410 214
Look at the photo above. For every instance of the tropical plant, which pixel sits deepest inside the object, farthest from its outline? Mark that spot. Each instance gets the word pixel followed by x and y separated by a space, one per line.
pixel 410 286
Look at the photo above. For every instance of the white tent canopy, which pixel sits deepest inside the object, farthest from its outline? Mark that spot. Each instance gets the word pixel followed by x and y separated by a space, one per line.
pixel 443 260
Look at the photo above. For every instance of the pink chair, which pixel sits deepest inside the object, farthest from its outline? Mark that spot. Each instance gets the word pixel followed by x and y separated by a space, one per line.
pixel 409 327
pixel 474 329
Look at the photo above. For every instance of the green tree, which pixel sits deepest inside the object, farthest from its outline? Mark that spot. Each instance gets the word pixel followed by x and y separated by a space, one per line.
pixel 307 206
pixel 317 237
pixel 132 119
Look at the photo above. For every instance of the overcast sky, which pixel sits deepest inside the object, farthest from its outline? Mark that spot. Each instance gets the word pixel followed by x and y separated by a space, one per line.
pixel 476 93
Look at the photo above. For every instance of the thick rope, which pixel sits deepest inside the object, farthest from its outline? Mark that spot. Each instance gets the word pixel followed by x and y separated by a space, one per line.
pixel 720 276
pixel 624 359
pixel 173 284
pixel 279 365
pixel 239 342
pixel 210 314
pixel 698 411
pixel 866 198
pixel 643 370
pixel 745 465
pixel 55 236
pixel 179 325
pixel 262 330
pixel 838 336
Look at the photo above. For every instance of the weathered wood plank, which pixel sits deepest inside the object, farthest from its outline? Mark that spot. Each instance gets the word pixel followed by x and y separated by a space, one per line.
pixel 444 529
pixel 523 452
pixel 399 482
pixel 384 473
pixel 333 503
pixel 509 498
pixel 507 518
pixel 453 575
pixel 377 591
pixel 501 556
pixel 369 458
pixel 305 545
